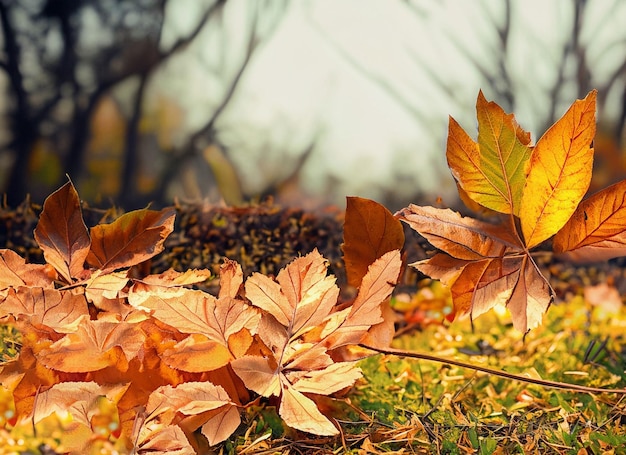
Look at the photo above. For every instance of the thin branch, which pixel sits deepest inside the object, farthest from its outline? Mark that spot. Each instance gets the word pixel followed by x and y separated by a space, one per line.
pixel 492 371
pixel 208 130
pixel 394 93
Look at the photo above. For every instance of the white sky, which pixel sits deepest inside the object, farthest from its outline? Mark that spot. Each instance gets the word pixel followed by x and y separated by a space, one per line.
pixel 299 87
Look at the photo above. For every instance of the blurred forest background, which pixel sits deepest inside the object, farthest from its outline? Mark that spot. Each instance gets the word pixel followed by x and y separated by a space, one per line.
pixel 141 101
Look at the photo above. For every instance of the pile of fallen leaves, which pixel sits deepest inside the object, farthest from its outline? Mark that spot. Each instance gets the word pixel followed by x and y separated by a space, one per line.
pixel 173 359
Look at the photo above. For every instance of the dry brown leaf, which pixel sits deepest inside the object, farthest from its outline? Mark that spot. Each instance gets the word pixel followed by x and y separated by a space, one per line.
pixel 370 230
pixel 302 296
pixel 300 412
pixel 196 354
pixel 131 239
pixel 220 329
pixel 61 311
pixel 349 327
pixel 220 417
pixel 299 325
pixel 597 229
pixel 461 237
pixel 14 272
pixel 231 279
pixel 79 399
pixel 162 440
pixel 172 278
pixel 484 266
pixel 94 346
pixel 61 232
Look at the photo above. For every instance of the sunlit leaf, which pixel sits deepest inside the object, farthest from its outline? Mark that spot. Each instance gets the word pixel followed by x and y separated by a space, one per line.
pixel 559 172
pixel 301 413
pixel 94 346
pixel 460 237
pixel 492 172
pixel 60 311
pixel 597 229
pixel 14 272
pixel 131 239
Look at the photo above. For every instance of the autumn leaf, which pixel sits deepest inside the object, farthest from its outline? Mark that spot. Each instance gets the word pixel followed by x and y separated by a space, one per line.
pixel 483 267
pixel 196 354
pixel 61 232
pixel 162 440
pixel 460 237
pixel 559 172
pixel 61 311
pixel 370 231
pixel 351 325
pixel 302 295
pixel 597 229
pixel 15 272
pixel 131 239
pixel 300 412
pixel 491 171
pixel 174 405
pixel 215 324
pixel 171 278
pixel 539 188
pixel 95 345
pixel 300 325
pixel 79 399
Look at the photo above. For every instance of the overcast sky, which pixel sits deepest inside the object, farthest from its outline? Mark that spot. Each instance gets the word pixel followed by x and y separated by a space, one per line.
pixel 373 82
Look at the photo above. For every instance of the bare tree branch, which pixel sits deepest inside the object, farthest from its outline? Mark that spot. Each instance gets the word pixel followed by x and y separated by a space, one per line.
pixel 381 82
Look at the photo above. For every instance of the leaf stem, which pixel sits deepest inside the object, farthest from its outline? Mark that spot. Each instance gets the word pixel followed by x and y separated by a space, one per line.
pixel 503 374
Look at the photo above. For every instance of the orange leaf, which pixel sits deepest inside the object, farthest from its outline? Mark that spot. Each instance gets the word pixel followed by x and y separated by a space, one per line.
pixel 192 311
pixel 194 398
pixel 531 297
pixel 331 379
pixel 60 311
pixel 95 345
pixel 259 374
pixel 351 325
pixel 477 286
pixel 491 172
pixel 301 413
pixel 441 267
pixel 485 267
pixel 597 229
pixel 103 290
pixel 131 239
pixel 172 278
pixel 370 231
pixel 301 297
pixel 15 272
pixel 460 237
pixel 80 399
pixel 481 285
pixel 297 314
pixel 559 172
pixel 231 279
pixel 61 232
pixel 221 426
pixel 162 440
pixel 196 354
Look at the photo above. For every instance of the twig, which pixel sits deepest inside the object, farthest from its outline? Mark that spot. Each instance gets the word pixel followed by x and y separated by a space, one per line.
pixel 503 374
